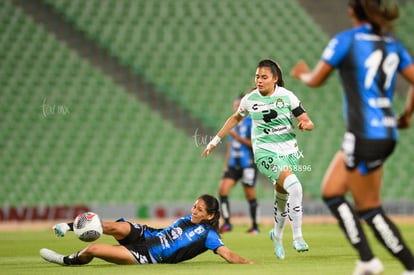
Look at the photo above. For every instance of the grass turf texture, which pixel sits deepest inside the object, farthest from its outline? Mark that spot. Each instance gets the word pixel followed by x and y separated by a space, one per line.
pixel 329 254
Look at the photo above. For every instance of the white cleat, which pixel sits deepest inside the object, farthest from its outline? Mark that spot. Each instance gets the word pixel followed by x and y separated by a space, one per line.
pixel 372 267
pixel 300 245
pixel 279 250
pixel 52 256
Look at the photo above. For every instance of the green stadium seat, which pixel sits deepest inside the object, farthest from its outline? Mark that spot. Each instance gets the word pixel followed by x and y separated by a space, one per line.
pixel 193 51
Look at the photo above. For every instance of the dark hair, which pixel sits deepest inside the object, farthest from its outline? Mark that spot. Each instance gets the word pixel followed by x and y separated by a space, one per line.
pixel 212 205
pixel 379 13
pixel 275 68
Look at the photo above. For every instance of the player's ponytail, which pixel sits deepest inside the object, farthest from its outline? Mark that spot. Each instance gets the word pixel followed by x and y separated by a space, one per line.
pixel 212 208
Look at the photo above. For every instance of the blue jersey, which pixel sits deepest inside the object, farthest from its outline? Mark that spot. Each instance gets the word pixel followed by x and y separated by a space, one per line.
pixel 241 155
pixel 368 65
pixel 181 241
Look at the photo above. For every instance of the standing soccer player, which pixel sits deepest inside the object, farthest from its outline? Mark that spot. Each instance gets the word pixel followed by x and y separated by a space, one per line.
pixel 239 165
pixel 368 58
pixel 271 107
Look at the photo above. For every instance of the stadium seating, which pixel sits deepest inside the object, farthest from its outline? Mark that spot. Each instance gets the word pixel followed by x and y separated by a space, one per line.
pixel 68 131
pixel 203 62
pixel 195 45
pixel 70 135
pixel 403 26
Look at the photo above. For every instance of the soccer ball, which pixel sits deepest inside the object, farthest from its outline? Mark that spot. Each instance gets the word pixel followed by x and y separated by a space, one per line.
pixel 88 226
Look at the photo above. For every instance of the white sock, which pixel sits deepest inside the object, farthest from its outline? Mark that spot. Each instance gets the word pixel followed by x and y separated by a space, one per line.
pixel 280 214
pixel 294 188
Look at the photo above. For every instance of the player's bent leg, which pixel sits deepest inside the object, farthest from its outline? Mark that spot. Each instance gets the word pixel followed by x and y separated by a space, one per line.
pixel 116 254
pixel 119 230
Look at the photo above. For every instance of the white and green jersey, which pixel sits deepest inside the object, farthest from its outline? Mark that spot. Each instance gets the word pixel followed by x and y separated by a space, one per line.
pixel 272 128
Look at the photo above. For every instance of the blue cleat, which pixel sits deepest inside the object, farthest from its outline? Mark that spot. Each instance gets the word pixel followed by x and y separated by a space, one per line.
pixel 279 250
pixel 300 245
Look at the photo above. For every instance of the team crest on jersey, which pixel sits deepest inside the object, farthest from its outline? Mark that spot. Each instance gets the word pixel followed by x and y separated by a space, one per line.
pixel 280 103
pixel 176 232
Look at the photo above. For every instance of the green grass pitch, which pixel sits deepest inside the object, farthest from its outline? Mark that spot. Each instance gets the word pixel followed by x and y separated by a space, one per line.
pixel 329 254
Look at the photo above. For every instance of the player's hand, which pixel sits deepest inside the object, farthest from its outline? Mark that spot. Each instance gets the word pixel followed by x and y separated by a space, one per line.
pixel 300 68
pixel 211 145
pixel 403 121
pixel 60 229
pixel 208 150
pixel 305 125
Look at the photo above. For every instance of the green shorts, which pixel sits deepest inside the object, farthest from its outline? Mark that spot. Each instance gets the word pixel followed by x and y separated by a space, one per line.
pixel 272 164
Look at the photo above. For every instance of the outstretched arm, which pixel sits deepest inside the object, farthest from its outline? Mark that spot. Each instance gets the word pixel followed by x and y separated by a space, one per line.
pixel 232 121
pixel 232 257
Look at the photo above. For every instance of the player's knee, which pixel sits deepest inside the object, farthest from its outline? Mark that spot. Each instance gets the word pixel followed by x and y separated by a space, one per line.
pixel 91 250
